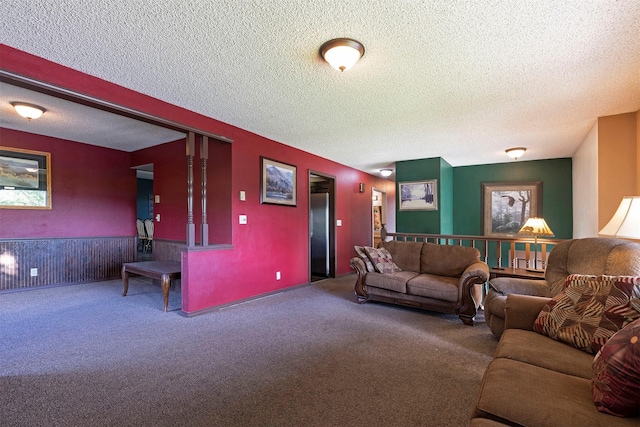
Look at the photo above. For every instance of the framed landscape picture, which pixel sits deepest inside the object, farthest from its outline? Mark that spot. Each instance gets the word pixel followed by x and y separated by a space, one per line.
pixel 507 205
pixel 25 179
pixel 278 183
pixel 418 195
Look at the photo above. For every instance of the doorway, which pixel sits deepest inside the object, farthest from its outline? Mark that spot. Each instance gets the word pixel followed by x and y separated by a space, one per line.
pixel 378 215
pixel 321 226
pixel 144 212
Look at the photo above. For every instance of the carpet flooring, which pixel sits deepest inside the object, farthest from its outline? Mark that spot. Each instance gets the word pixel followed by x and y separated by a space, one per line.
pixel 83 355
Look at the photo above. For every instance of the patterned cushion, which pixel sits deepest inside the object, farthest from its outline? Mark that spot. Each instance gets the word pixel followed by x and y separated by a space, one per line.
pixel 363 255
pixel 590 309
pixel 616 373
pixel 381 260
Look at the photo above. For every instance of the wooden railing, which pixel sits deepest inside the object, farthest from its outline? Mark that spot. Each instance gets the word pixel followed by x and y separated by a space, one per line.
pixel 496 252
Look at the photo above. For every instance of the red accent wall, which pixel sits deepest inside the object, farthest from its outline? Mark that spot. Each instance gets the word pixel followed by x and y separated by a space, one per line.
pixel 92 192
pixel 276 238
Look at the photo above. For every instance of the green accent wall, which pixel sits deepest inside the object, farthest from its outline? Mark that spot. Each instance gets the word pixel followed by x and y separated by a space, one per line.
pixel 432 222
pixel 460 194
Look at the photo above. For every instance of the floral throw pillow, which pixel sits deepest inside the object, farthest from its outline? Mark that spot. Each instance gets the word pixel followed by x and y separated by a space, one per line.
pixel 381 260
pixel 363 256
pixel 590 309
pixel 615 385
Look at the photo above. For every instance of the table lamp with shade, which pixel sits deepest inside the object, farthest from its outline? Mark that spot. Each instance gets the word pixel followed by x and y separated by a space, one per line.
pixel 535 227
pixel 625 223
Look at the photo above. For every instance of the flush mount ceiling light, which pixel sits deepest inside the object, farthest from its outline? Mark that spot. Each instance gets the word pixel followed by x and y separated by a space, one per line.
pixel 516 152
pixel 386 172
pixel 342 53
pixel 28 111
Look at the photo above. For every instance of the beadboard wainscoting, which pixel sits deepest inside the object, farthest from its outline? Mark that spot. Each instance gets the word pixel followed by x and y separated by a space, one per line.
pixel 32 263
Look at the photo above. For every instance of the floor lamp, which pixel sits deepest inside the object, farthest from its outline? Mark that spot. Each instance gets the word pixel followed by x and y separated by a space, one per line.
pixel 535 227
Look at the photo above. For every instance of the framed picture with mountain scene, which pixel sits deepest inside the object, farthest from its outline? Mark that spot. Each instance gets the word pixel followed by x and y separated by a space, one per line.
pixel 25 179
pixel 278 183
pixel 507 205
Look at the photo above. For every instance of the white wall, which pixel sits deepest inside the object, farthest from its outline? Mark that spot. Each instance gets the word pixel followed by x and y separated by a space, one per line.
pixel 585 186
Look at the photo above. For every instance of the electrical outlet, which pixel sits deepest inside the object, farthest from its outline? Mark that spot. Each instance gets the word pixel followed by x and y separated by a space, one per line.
pixel 34 272
pixel 277 275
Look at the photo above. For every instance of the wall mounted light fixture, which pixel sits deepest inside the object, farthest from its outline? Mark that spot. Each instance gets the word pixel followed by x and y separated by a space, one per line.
pixel 361 187
pixel 28 111
pixel 342 53
pixel 516 152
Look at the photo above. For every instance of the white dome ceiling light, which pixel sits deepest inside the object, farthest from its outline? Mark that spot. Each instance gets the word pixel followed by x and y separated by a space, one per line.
pixel 516 152
pixel 342 53
pixel 28 111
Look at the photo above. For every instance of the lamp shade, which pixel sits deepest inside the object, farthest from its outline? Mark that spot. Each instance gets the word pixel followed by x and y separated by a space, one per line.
pixel 342 53
pixel 536 227
pixel 625 223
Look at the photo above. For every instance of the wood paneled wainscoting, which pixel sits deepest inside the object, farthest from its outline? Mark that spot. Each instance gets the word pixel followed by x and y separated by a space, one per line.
pixel 62 261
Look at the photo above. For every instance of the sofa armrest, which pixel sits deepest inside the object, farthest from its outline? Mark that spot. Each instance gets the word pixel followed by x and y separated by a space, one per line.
pixel 479 270
pixel 475 273
pixel 361 269
pixel 521 311
pixel 514 285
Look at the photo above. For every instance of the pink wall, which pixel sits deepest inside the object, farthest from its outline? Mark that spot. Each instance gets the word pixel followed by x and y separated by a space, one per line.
pixel 276 238
pixel 93 192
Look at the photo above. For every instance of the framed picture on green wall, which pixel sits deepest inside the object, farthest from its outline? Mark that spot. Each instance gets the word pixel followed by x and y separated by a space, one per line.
pixel 507 205
pixel 418 195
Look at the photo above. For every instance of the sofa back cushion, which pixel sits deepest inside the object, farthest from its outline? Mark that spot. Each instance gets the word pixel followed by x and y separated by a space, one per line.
pixel 447 260
pixel 406 255
pixel 593 256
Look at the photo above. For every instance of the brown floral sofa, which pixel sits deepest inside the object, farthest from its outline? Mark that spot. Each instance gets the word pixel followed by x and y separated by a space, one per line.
pixel 429 276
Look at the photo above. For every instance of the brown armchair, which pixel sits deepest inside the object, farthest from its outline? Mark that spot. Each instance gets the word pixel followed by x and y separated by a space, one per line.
pixel 593 256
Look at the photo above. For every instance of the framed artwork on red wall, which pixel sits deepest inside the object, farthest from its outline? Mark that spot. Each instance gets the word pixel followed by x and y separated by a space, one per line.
pixel 278 183
pixel 25 179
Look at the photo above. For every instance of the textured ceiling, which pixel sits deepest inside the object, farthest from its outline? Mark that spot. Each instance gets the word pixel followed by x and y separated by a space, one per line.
pixel 462 80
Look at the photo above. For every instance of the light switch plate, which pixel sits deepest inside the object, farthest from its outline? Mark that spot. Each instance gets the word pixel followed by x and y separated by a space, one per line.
pixel 243 196
pixel 339 223
pixel 243 219
pixel 156 199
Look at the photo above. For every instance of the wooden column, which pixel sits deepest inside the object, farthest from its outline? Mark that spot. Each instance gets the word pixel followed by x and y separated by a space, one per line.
pixel 204 155
pixel 191 228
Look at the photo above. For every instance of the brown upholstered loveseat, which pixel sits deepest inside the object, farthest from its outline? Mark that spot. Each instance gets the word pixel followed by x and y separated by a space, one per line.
pixel 592 256
pixel 433 277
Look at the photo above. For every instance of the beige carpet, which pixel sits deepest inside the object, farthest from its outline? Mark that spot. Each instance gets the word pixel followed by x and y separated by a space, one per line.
pixel 84 355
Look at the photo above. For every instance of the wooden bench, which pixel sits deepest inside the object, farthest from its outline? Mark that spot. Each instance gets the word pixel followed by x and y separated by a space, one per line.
pixel 165 271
